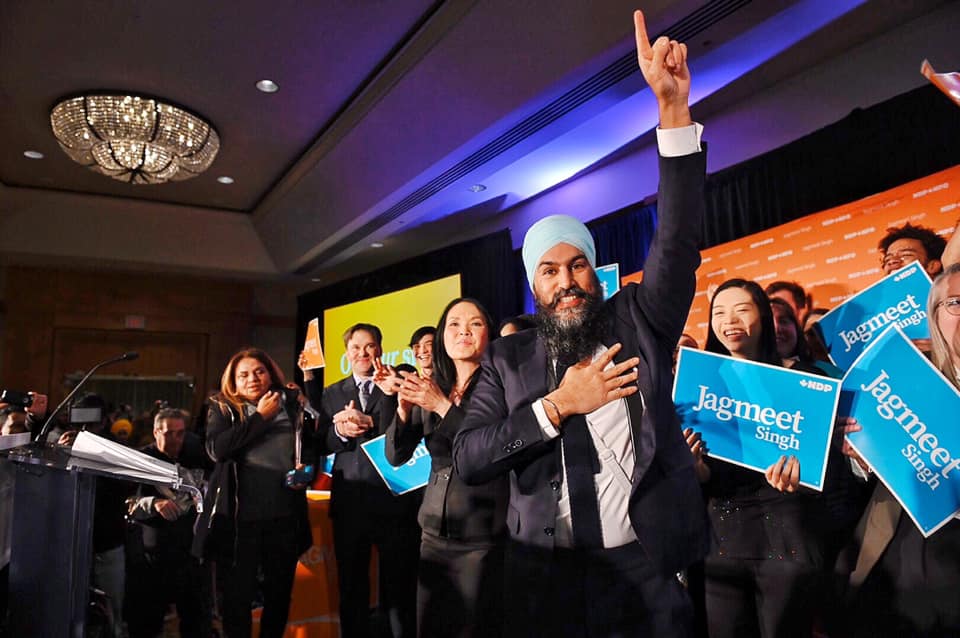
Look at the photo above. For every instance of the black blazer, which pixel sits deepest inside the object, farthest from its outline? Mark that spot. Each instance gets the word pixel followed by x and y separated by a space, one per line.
pixel 358 491
pixel 501 434
pixel 451 508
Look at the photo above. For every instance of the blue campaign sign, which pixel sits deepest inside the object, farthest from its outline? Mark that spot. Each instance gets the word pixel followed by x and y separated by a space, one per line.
pixel 609 277
pixel 897 299
pixel 326 466
pixel 908 412
pixel 753 413
pixel 410 476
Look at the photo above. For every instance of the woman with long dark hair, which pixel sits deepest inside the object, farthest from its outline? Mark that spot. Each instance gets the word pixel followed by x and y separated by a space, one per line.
pixel 461 554
pixel 259 518
pixel 764 572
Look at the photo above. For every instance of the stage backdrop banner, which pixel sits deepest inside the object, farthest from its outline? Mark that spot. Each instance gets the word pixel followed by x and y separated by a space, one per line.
pixel 752 413
pixel 899 298
pixel 908 413
pixel 410 476
pixel 833 253
pixel 398 314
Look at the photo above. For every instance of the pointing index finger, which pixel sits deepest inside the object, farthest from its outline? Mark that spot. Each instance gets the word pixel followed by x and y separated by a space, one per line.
pixel 640 29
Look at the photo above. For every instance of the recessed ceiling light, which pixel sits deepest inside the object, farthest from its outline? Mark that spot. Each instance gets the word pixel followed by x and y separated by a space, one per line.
pixel 316 280
pixel 376 244
pixel 268 86
pixel 224 179
pixel 476 188
pixel 33 154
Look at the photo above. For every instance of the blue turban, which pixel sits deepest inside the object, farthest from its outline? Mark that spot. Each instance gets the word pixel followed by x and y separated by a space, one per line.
pixel 553 230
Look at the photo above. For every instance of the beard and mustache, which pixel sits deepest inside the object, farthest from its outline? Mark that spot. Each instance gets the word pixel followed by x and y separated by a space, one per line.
pixel 573 334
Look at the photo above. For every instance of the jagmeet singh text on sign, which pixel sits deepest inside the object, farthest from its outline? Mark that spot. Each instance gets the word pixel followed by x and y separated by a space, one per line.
pixel 897 299
pixel 907 412
pixel 752 413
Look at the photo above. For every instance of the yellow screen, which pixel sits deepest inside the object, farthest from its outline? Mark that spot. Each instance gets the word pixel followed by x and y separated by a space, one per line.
pixel 397 314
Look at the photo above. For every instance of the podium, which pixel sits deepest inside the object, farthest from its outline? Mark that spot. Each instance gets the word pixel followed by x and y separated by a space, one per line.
pixel 51 544
pixel 51 537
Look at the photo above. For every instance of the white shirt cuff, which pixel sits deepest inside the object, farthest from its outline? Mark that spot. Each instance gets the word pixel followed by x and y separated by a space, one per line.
pixel 549 432
pixel 858 471
pixel 676 142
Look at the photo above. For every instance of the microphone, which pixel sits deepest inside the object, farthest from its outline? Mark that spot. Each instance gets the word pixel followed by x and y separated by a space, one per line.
pixel 44 431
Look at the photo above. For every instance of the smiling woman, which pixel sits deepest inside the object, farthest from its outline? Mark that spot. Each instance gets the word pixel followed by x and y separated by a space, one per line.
pixel 461 551
pixel 762 576
pixel 252 428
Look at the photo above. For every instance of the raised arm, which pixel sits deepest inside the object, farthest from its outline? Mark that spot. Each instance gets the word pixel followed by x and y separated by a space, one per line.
pixel 669 277
pixel 664 67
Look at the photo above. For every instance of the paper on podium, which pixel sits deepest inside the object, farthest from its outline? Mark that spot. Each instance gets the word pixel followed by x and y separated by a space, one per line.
pixel 97 453
pixel 10 441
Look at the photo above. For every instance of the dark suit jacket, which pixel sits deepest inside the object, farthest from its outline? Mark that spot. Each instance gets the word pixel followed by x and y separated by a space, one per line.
pixel 451 508
pixel 358 491
pixel 501 433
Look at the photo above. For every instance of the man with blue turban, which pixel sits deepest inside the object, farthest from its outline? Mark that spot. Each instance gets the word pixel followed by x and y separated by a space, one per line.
pixel 604 505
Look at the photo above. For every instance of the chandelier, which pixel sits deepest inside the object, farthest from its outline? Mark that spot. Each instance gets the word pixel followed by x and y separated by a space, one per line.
pixel 134 139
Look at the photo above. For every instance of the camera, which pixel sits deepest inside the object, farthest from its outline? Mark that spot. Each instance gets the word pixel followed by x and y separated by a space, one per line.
pixel 300 477
pixel 19 399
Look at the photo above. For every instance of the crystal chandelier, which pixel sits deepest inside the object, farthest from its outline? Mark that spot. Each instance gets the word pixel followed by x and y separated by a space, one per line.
pixel 134 139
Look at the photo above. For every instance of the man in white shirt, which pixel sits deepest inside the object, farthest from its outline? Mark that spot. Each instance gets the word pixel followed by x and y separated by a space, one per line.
pixel 604 504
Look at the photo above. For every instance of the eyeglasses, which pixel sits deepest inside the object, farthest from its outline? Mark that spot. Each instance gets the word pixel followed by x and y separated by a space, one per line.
pixel 902 256
pixel 951 305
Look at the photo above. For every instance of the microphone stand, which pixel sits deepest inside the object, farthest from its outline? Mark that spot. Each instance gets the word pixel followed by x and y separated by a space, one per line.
pixel 41 439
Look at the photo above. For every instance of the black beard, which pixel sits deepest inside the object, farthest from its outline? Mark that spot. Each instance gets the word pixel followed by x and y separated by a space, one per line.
pixel 576 336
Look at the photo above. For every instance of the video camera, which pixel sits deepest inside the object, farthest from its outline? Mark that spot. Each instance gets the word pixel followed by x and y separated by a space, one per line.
pixel 20 399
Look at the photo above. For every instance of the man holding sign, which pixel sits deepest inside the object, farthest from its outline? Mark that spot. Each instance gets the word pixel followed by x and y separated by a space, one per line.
pixel 604 505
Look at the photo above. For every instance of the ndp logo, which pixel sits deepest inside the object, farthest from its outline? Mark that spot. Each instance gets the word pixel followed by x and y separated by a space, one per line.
pixel 816 385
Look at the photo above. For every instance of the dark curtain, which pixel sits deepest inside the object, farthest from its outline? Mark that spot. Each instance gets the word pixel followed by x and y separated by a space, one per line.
pixel 487 272
pixel 869 151
pixel 624 236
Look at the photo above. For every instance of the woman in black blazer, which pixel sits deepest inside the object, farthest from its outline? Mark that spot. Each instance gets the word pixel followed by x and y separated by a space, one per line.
pixel 460 575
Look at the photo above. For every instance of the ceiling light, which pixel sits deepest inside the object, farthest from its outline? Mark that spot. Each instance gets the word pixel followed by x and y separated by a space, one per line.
pixel 33 154
pixel 134 139
pixel 316 280
pixel 376 244
pixel 225 179
pixel 476 188
pixel 268 86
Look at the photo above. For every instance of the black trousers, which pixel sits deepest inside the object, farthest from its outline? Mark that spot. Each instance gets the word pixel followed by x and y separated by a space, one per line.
pixel 269 547
pixel 606 593
pixel 156 579
pixel 459 589
pixel 398 547
pixel 756 598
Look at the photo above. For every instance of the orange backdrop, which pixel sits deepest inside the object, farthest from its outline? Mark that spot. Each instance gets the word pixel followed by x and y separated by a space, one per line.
pixel 833 254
